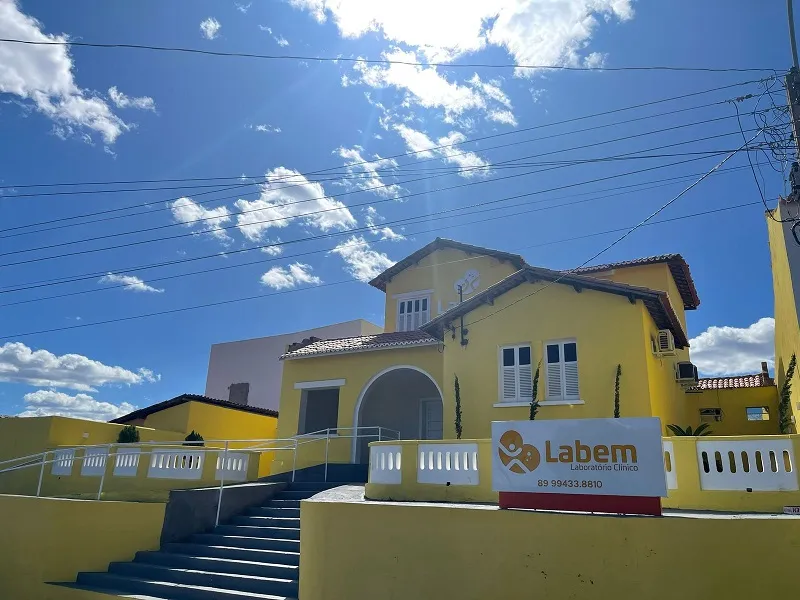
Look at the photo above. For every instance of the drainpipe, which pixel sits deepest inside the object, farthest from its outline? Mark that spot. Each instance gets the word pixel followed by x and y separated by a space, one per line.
pixel 464 332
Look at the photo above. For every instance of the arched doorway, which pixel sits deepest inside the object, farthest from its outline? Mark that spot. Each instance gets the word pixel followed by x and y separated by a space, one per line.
pixel 403 398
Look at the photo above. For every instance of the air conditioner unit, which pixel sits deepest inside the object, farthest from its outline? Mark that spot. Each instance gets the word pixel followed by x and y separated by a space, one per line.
pixel 686 373
pixel 710 415
pixel 665 344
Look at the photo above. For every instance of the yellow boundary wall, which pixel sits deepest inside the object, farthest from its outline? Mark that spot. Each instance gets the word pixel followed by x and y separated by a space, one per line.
pixel 47 539
pixel 433 551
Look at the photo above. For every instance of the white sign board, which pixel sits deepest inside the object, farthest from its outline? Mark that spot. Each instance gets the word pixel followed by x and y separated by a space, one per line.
pixel 614 457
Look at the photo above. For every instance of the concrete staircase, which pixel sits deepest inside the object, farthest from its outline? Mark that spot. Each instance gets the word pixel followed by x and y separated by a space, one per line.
pixel 255 555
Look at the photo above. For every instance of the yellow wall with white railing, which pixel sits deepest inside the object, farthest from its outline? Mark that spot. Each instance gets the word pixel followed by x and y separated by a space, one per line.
pixel 52 540
pixel 685 463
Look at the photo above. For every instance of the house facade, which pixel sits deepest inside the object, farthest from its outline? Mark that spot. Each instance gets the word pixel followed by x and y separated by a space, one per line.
pixel 491 320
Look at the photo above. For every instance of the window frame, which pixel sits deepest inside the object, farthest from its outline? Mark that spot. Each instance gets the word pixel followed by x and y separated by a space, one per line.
pixel 764 413
pixel 563 398
pixel 517 400
pixel 421 296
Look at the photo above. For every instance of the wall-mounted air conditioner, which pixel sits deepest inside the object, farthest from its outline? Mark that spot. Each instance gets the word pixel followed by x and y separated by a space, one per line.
pixel 686 373
pixel 710 415
pixel 665 343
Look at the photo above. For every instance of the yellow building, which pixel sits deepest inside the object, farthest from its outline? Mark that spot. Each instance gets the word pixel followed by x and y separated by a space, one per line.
pixel 495 322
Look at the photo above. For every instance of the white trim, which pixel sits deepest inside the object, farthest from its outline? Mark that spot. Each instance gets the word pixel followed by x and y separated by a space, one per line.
pixel 392 346
pixel 412 295
pixel 324 383
pixel 365 389
pixel 512 404
pixel 557 402
pixel 517 370
pixel 563 398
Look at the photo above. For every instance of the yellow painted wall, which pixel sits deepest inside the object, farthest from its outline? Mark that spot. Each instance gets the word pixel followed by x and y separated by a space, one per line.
pixel 609 331
pixel 787 329
pixel 439 271
pixel 47 539
pixel 733 404
pixel 433 551
pixel 357 370
pixel 175 418
pixel 218 423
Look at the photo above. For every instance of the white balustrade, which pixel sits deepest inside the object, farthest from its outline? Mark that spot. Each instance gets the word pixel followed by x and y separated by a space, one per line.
pixel 63 461
pixel 94 462
pixel 670 466
pixel 235 466
pixel 175 464
pixel 126 462
pixel 456 464
pixel 385 464
pixel 758 465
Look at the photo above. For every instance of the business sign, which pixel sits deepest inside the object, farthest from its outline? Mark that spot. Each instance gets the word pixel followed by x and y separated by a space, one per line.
pixel 609 457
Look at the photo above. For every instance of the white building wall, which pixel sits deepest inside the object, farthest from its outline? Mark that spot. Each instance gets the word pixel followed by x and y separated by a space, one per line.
pixel 256 361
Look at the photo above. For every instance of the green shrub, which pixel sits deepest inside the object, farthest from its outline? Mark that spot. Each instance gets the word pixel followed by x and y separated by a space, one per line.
pixel 194 439
pixel 128 435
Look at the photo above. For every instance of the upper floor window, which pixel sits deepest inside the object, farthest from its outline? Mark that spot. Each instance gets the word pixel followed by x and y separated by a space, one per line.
pixel 757 413
pixel 562 370
pixel 413 313
pixel 516 377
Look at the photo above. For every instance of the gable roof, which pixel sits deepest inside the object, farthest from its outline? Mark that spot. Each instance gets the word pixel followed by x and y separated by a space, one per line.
pixel 677 266
pixel 142 413
pixel 438 244
pixel 363 343
pixel 656 302
pixel 732 383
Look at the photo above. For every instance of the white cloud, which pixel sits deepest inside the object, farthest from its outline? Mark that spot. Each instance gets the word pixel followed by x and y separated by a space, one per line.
pixel 273 250
pixel 46 403
pixel 279 39
pixel 43 76
pixel 502 116
pixel 286 195
pixel 365 174
pixel 210 28
pixel 362 262
pixel 470 163
pixel 372 220
pixel 283 278
pixel 210 220
pixel 40 368
pixel 120 100
pixel 243 8
pixel 734 350
pixel 264 128
pixel 555 32
pixel 131 282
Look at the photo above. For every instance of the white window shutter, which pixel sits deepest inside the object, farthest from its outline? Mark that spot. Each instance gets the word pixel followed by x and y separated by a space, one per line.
pixel 509 384
pixel 554 384
pixel 571 380
pixel 525 383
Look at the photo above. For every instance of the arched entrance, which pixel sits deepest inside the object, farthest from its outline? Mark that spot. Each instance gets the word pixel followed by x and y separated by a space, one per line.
pixel 403 398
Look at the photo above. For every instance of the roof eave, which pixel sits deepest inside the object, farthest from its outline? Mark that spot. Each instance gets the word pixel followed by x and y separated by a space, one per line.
pixel 360 350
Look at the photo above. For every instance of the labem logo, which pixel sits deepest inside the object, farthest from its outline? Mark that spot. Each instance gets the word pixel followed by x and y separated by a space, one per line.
pixel 522 458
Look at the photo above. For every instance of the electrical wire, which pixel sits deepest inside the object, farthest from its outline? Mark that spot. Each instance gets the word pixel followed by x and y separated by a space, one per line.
pixel 337 59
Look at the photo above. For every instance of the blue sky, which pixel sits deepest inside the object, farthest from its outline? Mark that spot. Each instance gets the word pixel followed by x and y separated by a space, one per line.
pixel 91 114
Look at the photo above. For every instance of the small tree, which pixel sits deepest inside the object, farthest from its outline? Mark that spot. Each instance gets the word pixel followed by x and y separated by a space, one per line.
pixel 459 429
pixel 128 435
pixel 616 392
pixel 785 401
pixel 535 393
pixel 194 439
pixel 702 429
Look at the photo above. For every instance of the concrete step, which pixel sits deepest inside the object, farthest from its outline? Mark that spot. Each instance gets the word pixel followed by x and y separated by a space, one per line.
pixel 278 533
pixel 226 581
pixel 271 511
pixel 282 503
pixel 236 541
pixel 165 589
pixel 316 486
pixel 281 557
pixel 218 564
pixel 295 495
pixel 270 521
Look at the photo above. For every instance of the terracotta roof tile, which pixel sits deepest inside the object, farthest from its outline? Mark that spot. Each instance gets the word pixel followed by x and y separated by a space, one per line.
pixel 363 343
pixel 731 383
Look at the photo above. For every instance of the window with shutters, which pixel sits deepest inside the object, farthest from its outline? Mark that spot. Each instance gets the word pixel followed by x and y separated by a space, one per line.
pixel 516 377
pixel 413 313
pixel 561 366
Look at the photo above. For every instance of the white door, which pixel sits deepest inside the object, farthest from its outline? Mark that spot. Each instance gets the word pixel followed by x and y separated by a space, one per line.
pixel 431 419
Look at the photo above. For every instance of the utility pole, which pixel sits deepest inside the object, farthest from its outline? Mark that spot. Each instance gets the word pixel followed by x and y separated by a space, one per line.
pixel 793 99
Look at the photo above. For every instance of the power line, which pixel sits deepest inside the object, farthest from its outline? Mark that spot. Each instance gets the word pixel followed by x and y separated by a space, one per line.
pixel 94 275
pixel 279 219
pixel 336 59
pixel 624 235
pixel 318 286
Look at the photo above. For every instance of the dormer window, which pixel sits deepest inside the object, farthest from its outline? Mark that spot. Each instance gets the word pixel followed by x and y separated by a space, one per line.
pixel 413 312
